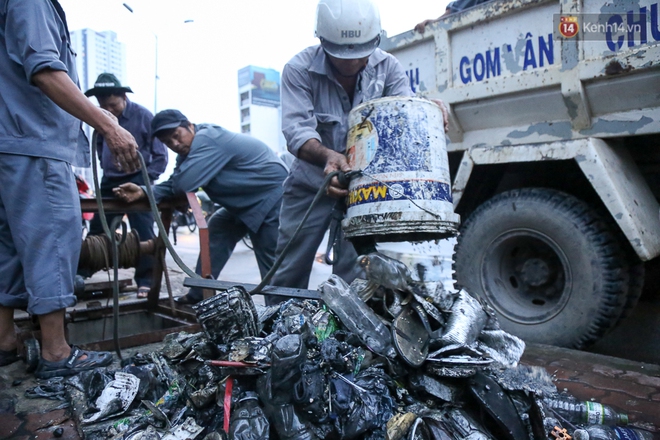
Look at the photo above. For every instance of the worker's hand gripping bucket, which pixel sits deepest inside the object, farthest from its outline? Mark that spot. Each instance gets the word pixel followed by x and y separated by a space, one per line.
pixel 404 192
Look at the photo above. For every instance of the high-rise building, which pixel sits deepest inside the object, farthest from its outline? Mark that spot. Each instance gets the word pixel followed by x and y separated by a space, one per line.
pixel 98 52
pixel 259 103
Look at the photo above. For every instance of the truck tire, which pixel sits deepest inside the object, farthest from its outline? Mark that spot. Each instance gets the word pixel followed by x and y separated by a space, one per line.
pixel 635 288
pixel 549 266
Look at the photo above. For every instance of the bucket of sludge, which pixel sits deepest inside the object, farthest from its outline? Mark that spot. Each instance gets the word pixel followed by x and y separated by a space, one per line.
pixel 404 192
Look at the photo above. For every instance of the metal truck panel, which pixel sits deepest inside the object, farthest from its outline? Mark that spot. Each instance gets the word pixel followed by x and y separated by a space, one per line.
pixel 508 79
pixel 610 170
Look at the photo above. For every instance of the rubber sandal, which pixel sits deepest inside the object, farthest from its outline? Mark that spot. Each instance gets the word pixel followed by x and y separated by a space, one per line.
pixel 143 292
pixel 8 357
pixel 73 364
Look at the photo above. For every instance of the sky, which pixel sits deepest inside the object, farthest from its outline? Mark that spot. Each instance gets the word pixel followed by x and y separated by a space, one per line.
pixel 198 61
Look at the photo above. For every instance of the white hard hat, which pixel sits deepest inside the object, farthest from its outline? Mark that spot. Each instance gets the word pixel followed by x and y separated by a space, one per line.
pixel 348 29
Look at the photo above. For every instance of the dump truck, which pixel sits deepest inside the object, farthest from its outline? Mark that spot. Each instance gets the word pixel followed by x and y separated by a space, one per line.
pixel 554 156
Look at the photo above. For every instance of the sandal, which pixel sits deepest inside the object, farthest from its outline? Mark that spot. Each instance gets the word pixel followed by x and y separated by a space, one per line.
pixel 73 364
pixel 143 292
pixel 8 357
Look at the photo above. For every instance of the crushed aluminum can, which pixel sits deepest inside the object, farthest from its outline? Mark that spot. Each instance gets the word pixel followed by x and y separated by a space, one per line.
pixel 228 316
pixel 466 321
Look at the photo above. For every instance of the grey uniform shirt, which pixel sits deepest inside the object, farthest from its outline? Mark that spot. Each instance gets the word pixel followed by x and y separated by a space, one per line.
pixel 237 171
pixel 33 37
pixel 315 106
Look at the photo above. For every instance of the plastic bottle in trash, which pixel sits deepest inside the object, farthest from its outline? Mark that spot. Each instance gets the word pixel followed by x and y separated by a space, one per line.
pixel 357 316
pixel 603 432
pixel 585 412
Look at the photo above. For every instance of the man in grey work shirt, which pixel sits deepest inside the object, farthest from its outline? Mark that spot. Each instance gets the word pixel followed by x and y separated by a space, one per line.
pixel 238 172
pixel 40 137
pixel 320 86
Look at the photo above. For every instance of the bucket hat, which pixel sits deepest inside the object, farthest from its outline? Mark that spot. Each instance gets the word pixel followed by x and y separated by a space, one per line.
pixel 107 83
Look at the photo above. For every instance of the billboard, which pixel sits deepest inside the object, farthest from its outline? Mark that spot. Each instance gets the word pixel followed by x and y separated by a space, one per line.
pixel 265 85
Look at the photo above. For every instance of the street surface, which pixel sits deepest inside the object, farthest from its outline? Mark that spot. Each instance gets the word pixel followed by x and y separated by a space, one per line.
pixel 241 267
pixel 637 338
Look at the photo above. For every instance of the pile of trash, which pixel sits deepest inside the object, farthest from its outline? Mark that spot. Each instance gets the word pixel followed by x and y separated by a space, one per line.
pixel 384 358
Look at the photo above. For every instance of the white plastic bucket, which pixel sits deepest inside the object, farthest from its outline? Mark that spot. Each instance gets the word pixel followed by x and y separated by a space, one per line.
pixel 404 193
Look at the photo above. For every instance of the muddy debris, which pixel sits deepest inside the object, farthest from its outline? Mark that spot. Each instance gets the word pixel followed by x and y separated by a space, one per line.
pixel 383 358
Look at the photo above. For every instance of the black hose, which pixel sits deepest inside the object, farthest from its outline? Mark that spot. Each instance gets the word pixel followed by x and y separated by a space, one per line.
pixel 279 260
pixel 334 231
pixel 168 244
pixel 161 228
pixel 109 231
pixel 115 249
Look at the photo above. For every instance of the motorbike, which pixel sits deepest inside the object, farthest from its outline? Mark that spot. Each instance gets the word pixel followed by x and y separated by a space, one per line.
pixel 183 218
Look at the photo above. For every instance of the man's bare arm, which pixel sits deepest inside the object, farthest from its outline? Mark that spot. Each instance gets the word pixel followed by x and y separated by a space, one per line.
pixel 129 192
pixel 62 91
pixel 421 27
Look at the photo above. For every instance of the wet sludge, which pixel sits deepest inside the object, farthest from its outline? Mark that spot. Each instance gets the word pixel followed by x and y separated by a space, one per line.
pixel 384 358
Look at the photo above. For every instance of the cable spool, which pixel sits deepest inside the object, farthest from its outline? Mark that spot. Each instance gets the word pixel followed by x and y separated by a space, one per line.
pixel 96 251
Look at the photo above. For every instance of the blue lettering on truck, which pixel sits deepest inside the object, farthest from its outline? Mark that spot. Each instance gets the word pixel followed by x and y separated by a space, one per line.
pixel 626 29
pixel 544 52
pixel 413 77
pixel 634 26
pixel 487 64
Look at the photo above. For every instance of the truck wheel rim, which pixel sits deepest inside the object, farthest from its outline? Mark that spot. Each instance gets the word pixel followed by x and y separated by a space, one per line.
pixel 526 276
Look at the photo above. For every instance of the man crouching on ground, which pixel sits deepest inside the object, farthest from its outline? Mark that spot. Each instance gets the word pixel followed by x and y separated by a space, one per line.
pixel 238 172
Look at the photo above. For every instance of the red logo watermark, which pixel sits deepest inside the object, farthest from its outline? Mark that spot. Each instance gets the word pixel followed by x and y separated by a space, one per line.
pixel 568 26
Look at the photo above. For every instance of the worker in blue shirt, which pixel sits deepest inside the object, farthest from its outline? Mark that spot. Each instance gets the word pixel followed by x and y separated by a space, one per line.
pixel 238 172
pixel 40 138
pixel 136 119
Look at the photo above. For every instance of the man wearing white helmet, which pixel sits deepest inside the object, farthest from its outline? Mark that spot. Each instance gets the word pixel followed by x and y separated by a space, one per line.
pixel 320 86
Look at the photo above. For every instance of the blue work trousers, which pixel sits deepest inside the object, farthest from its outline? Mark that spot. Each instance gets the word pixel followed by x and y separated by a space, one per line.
pixel 40 233
pixel 226 230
